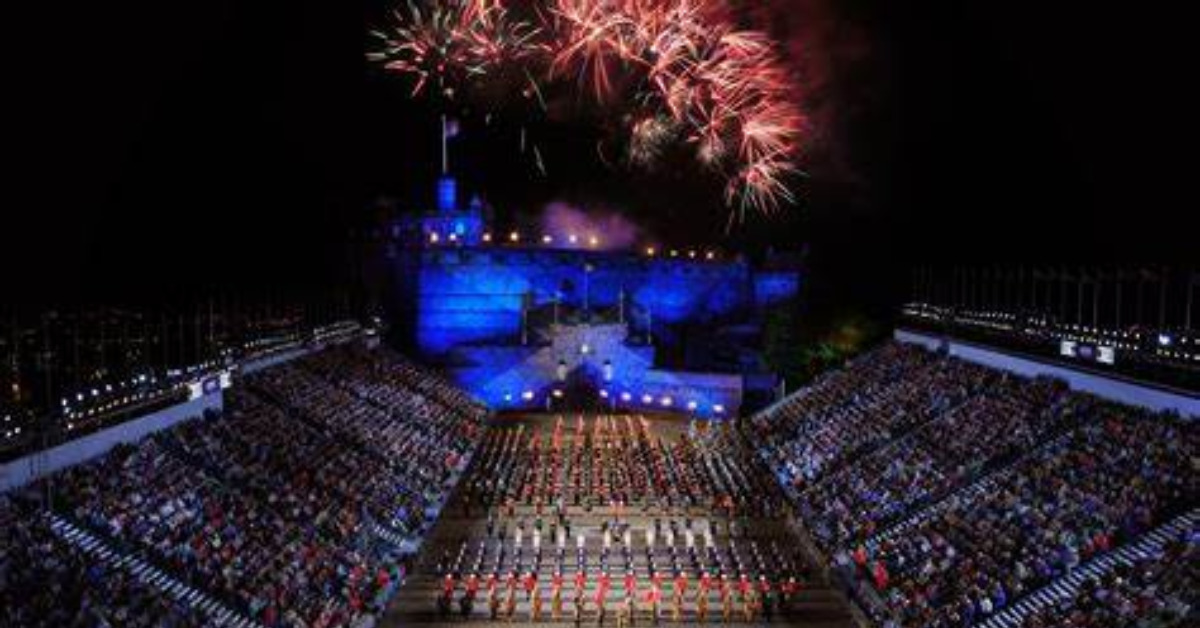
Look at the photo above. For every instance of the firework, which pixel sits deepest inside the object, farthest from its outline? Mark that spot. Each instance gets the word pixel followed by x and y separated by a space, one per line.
pixel 452 41
pixel 692 72
pixel 649 137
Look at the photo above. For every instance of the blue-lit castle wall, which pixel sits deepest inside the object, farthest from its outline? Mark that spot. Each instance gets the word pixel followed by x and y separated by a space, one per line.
pixel 461 296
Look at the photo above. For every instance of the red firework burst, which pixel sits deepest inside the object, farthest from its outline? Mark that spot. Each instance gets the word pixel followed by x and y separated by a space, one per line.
pixel 727 90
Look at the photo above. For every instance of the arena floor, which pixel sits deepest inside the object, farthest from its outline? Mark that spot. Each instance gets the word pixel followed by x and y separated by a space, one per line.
pixel 746 533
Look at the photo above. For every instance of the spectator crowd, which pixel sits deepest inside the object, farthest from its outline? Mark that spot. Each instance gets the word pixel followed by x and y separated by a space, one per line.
pixel 293 506
pixel 943 491
pixel 47 583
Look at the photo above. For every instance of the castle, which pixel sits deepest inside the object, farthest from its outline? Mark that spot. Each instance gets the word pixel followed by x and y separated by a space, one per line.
pixel 539 320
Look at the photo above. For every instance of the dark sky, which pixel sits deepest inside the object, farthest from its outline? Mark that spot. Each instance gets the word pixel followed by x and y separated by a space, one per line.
pixel 172 147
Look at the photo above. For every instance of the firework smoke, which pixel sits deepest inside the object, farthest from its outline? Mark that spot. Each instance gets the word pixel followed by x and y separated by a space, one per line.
pixel 593 228
pixel 688 70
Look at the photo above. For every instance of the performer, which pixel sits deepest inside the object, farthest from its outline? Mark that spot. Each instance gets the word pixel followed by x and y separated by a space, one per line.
pixel 746 592
pixel 764 590
pixel 681 585
pixel 531 585
pixel 624 612
pixel 702 597
pixel 580 602
pixel 467 603
pixel 493 598
pixel 447 596
pixel 788 590
pixel 655 595
pixel 580 582
pixel 602 597
pixel 726 599
pixel 556 585
pixel 535 608
pixel 510 602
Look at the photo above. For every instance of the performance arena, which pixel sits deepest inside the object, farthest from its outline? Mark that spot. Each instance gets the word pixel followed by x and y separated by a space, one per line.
pixel 604 313
pixel 338 483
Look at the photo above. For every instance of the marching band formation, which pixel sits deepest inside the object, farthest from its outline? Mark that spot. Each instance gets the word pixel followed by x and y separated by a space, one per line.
pixel 609 519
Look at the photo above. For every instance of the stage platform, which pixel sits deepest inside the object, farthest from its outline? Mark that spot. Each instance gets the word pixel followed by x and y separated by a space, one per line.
pixel 676 499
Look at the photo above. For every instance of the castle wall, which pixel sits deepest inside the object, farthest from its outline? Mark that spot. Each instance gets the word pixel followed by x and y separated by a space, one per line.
pixel 461 296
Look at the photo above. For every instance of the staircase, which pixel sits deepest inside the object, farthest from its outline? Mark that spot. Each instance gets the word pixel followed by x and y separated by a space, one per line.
pixel 213 610
pixel 1068 586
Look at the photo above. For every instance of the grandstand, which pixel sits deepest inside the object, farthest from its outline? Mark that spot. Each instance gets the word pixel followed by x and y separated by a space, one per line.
pixel 604 313
pixel 351 487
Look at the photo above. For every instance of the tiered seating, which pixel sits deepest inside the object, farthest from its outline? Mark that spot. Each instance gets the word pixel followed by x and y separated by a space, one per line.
pixel 1006 419
pixel 1106 485
pixel 978 488
pixel 851 413
pixel 270 553
pixel 423 439
pixel 1155 591
pixel 302 471
pixel 285 508
pixel 45 582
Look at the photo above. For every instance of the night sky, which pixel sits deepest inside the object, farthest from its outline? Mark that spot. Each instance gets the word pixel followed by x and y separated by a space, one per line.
pixel 164 147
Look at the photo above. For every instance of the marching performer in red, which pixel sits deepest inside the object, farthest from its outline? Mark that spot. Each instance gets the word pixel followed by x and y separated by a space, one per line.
pixel 467 603
pixel 764 597
pixel 702 597
pixel 556 586
pixel 493 598
pixel 602 587
pixel 681 586
pixel 447 597
pixel 655 595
